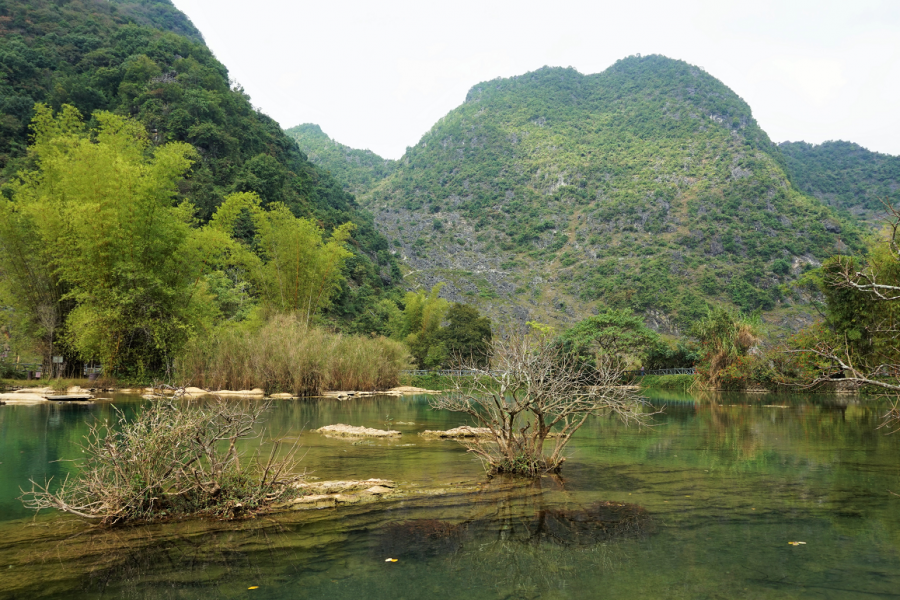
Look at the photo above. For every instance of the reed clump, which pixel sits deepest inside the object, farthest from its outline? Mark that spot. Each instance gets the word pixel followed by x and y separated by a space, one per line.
pixel 287 355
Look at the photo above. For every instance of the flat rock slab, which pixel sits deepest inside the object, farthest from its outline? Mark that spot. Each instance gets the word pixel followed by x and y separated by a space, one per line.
pixel 397 391
pixel 23 398
pixel 458 433
pixel 341 430
pixel 69 397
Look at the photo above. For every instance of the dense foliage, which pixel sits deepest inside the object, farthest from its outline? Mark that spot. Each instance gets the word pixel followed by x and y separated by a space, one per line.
pixel 99 263
pixel 843 174
pixel 144 59
pixel 648 186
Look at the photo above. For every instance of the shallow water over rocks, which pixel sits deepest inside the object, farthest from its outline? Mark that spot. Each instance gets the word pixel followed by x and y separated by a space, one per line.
pixel 703 505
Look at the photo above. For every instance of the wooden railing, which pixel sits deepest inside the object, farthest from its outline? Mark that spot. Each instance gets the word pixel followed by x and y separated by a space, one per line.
pixel 466 372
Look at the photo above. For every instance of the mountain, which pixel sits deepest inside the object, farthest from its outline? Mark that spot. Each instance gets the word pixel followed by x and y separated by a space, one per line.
pixel 357 170
pixel 145 59
pixel 647 186
pixel 844 174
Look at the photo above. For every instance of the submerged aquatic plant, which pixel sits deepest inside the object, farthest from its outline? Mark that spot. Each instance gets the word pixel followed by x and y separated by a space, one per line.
pixel 177 458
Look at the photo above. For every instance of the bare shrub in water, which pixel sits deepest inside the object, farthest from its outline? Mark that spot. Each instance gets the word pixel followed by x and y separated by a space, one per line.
pixel 176 458
pixel 286 355
pixel 534 389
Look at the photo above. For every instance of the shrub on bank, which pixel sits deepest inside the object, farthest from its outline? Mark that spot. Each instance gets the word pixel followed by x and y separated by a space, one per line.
pixel 286 355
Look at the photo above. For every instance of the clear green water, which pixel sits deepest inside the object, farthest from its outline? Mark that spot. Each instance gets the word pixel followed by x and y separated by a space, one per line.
pixel 711 497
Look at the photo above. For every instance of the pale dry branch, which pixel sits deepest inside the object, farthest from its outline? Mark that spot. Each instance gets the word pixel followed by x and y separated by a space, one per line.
pixel 176 458
pixel 532 390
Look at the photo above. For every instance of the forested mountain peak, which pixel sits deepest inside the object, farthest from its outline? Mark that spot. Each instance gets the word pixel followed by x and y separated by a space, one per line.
pixel 656 75
pixel 647 186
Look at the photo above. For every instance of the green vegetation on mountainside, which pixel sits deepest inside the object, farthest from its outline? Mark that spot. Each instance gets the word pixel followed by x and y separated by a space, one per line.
pixel 648 186
pixel 357 170
pixel 843 174
pixel 144 59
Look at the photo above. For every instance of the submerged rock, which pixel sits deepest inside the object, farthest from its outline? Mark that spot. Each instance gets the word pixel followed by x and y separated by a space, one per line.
pixel 466 432
pixel 326 494
pixel 341 430
pixel 342 487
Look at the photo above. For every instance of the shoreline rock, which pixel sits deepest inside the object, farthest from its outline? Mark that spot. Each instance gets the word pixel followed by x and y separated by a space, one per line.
pixel 45 395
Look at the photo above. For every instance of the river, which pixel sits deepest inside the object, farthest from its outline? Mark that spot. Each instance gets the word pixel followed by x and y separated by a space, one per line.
pixel 704 504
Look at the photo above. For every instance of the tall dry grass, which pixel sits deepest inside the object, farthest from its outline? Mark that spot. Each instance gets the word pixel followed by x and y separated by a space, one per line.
pixel 286 355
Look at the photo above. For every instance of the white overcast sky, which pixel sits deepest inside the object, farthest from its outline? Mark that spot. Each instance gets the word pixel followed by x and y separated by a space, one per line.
pixel 378 75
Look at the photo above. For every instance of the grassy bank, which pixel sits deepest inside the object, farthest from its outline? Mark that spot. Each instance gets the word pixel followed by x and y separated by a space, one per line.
pixel 286 355
pixel 666 382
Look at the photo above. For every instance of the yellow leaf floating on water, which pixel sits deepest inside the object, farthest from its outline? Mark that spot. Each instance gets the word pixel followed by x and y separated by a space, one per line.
pixel 253 587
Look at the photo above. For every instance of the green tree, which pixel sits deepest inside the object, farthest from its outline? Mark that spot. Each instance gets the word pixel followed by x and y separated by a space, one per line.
pixel 295 269
pixel 726 337
pixel 97 216
pixel 422 317
pixel 612 333
pixel 467 335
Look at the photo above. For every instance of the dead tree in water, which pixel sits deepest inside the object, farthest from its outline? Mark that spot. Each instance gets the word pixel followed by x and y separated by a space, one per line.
pixel 533 393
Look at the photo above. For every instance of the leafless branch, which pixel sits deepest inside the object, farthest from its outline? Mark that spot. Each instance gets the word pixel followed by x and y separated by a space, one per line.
pixel 531 393
pixel 176 458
